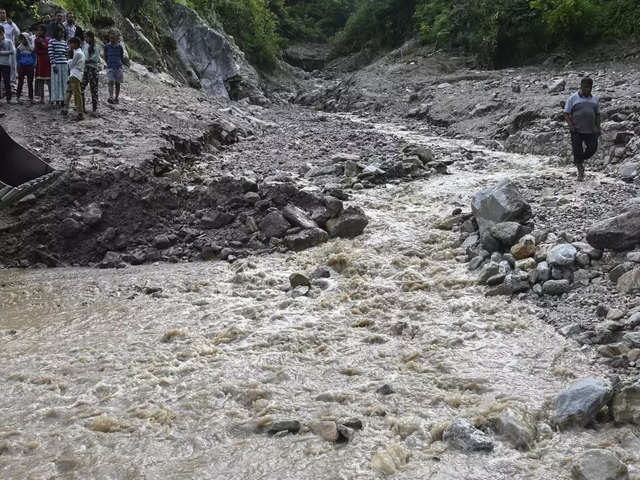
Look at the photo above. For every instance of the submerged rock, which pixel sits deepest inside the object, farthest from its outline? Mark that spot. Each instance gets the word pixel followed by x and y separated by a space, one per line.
pixel 626 404
pixel 580 404
pixel 351 223
pixel 464 436
pixel 391 459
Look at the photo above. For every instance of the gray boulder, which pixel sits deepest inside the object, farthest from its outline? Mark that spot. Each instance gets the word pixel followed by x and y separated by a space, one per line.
pixel 351 223
pixel 580 404
pixel 518 427
pixel 506 233
pixel 599 464
pixel 298 217
pixel 464 436
pixel 626 404
pixel 556 287
pixel 306 239
pixel 621 232
pixel 274 225
pixel 562 255
pixel 629 282
pixel 500 203
pixel 217 220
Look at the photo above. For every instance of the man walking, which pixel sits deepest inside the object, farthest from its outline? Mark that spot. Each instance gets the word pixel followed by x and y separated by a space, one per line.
pixel 582 113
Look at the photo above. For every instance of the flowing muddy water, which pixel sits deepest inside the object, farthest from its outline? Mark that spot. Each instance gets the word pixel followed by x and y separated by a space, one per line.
pixel 103 378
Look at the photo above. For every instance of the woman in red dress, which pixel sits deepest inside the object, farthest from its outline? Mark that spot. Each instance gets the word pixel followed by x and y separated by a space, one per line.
pixel 43 67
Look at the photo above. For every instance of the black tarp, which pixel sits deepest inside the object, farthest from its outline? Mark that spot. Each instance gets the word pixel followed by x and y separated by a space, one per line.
pixel 17 164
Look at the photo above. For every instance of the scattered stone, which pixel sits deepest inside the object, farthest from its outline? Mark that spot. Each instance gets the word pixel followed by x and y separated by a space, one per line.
pixel 351 223
pixel 517 427
pixel 352 423
pixel 274 225
pixel 161 242
pixel 291 426
pixel 563 255
pixel 385 390
pixel 296 216
pixel 616 272
pixel 580 403
pixel 92 215
pixel 626 404
pixel 390 460
pixel 217 220
pixel 543 272
pixel 618 233
pixel 506 233
pixel 557 86
pixel 599 464
pixel 464 436
pixel 526 264
pixel 112 260
pixel 633 339
pixel 629 171
pixel 326 429
pixel 299 280
pixel 526 247
pixel 594 253
pixel 306 239
pixel 629 282
pixel 556 287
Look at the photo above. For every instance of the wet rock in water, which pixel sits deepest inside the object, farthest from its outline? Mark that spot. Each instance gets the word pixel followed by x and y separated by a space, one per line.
pixel 518 427
pixel 464 436
pixel 297 217
pixel 291 426
pixel 562 255
pixel 70 228
pixel 556 287
pixel 112 260
pixel 299 280
pixel 345 434
pixel 274 225
pixel 621 232
pixel 92 215
pixel 321 272
pixel 500 203
pixel 626 404
pixel 629 282
pixel 217 220
pixel 580 403
pixel 351 223
pixel 352 423
pixel 599 464
pixel 526 247
pixel 306 239
pixel 385 390
pixel 391 459
pixel 326 429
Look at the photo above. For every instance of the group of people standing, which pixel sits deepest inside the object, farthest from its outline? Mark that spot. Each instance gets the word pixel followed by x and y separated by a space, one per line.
pixel 59 54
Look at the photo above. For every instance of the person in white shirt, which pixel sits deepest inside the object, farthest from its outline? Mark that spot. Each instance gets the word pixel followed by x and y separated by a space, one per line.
pixel 76 71
pixel 11 33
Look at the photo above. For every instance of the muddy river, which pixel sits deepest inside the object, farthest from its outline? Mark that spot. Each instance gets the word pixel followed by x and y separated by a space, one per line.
pixel 175 371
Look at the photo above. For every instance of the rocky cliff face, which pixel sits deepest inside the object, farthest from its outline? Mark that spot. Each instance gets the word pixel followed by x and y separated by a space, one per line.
pixel 202 56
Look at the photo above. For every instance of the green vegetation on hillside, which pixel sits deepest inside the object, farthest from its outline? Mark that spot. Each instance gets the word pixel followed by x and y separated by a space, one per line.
pixel 498 32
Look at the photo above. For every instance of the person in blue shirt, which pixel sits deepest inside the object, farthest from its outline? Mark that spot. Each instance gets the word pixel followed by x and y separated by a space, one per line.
pixel 582 113
pixel 114 56
pixel 26 60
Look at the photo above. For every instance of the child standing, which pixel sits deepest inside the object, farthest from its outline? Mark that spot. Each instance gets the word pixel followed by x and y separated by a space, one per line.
pixel 91 68
pixel 114 55
pixel 59 69
pixel 26 60
pixel 76 69
pixel 7 54
pixel 43 67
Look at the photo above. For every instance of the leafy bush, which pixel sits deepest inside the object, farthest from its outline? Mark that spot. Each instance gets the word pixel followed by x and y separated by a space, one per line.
pixel 571 21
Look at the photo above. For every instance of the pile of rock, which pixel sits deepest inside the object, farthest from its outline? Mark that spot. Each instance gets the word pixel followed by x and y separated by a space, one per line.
pixel 512 257
pixel 414 162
